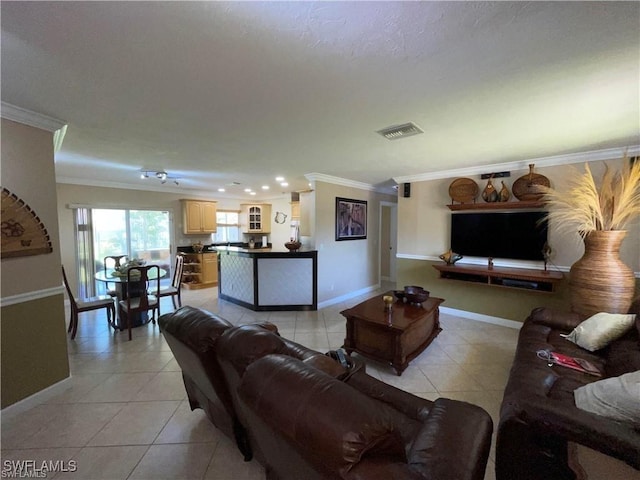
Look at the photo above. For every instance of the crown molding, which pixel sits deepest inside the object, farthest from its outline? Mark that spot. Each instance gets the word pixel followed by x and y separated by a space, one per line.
pixel 566 159
pixel 58 138
pixel 33 119
pixel 321 177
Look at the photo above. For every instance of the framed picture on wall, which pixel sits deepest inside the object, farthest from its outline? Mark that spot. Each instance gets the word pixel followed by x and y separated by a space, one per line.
pixel 351 219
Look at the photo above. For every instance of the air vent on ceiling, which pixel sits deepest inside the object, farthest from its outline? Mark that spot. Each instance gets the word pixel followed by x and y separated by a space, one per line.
pixel 400 131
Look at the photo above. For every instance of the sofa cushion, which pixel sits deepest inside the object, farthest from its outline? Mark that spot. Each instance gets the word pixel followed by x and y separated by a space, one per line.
pixel 617 398
pixel 241 346
pixel 196 328
pixel 329 422
pixel 623 355
pixel 599 330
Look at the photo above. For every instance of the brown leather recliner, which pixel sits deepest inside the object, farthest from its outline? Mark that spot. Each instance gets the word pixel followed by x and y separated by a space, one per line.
pixel 243 345
pixel 311 425
pixel 192 334
pixel 309 417
pixel 306 416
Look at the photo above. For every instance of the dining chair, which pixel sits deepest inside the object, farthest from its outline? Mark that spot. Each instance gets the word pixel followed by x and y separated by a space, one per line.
pixel 145 295
pixel 113 261
pixel 86 305
pixel 174 290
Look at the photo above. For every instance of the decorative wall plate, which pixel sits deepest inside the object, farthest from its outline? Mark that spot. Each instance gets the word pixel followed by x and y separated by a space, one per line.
pixel 22 231
pixel 463 190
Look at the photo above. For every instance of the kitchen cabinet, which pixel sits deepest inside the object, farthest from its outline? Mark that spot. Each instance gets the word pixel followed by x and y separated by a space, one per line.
pixel 200 270
pixel 295 211
pixel 199 217
pixel 256 218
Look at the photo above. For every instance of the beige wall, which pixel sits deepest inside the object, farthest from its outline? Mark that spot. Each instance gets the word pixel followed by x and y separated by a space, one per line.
pixel 102 197
pixel 423 234
pixel 34 348
pixel 385 242
pixel 346 266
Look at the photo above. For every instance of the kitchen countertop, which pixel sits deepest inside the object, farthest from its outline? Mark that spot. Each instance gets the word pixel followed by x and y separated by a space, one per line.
pixel 259 250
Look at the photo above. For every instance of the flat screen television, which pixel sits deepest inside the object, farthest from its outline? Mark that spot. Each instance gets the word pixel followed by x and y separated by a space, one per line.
pixel 513 235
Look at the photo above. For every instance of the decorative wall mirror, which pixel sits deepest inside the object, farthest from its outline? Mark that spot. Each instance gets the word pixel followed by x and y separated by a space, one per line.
pixel 280 217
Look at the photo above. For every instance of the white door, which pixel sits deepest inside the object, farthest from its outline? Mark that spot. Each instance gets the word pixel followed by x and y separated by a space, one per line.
pixel 388 240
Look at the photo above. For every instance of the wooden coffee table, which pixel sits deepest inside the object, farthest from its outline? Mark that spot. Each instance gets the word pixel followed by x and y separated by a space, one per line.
pixel 395 337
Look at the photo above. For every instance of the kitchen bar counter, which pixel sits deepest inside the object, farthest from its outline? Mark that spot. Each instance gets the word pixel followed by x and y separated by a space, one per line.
pixel 268 278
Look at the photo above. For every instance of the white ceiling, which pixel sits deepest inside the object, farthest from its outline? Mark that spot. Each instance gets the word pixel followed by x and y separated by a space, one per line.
pixel 217 92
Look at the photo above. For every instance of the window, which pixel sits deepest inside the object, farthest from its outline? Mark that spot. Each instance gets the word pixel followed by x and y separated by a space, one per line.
pixel 228 227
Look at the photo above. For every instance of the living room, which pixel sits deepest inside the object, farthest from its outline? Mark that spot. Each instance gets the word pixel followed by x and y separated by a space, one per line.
pixel 557 107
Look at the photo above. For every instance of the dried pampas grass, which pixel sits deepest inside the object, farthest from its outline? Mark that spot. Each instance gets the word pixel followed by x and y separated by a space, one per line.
pixel 587 207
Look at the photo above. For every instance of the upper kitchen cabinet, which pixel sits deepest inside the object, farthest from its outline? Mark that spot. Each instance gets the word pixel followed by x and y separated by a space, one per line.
pixel 199 217
pixel 295 211
pixel 256 218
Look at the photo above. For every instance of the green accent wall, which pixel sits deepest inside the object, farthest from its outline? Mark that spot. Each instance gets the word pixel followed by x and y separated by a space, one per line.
pixel 34 347
pixel 509 303
pixel 502 302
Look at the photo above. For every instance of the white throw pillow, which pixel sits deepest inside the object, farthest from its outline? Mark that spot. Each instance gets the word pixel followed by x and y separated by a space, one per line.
pixel 600 330
pixel 617 398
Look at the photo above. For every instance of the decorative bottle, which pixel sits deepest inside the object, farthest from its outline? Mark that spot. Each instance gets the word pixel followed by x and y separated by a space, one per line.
pixel 490 194
pixel 504 194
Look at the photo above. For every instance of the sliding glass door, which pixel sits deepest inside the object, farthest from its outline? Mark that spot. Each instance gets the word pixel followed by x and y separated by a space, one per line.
pixel 142 234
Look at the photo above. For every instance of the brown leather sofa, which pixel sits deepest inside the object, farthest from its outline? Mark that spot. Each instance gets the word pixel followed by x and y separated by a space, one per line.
pixel 302 414
pixel 538 416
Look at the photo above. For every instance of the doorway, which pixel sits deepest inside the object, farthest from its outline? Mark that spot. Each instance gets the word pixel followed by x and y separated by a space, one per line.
pixel 388 240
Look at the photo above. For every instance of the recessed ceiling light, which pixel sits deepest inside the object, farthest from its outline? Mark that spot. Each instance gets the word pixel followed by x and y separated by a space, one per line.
pixel 247 190
pixel 221 190
pixel 252 193
pixel 284 184
pixel 279 179
pixel 265 187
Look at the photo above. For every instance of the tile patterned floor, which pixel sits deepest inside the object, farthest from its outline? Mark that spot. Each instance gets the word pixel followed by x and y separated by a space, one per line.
pixel 124 414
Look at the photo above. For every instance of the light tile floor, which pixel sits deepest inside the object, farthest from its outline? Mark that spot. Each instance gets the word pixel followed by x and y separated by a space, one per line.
pixel 124 414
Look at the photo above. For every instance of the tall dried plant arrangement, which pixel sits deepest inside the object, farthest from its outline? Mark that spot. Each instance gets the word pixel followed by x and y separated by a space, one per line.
pixel 587 206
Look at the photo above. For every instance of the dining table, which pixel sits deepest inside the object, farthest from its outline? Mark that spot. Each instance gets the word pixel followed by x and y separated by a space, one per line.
pixel 124 289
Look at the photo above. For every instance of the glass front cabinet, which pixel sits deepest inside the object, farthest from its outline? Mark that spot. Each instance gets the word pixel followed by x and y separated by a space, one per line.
pixel 256 218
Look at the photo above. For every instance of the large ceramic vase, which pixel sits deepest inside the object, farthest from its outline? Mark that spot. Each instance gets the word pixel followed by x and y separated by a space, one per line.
pixel 600 281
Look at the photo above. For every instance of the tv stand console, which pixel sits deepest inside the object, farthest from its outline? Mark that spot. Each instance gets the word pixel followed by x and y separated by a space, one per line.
pixel 522 278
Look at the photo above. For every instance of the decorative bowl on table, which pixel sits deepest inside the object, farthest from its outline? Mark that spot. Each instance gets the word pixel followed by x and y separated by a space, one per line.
pixel 122 270
pixel 399 294
pixel 415 294
pixel 293 246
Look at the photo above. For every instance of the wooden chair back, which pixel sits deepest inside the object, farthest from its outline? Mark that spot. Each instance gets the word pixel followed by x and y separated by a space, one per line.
pixel 72 298
pixel 176 282
pixel 86 305
pixel 113 261
pixel 148 285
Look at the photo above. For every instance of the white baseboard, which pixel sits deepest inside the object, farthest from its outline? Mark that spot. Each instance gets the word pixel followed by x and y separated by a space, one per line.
pixel 479 317
pixel 348 296
pixel 36 399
